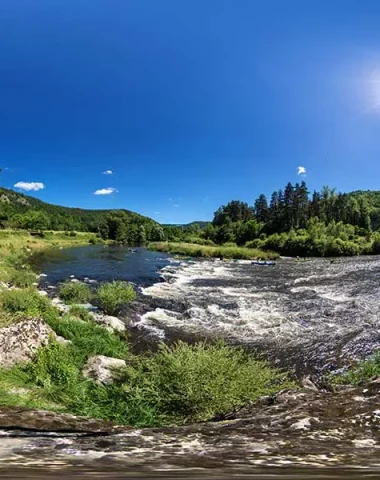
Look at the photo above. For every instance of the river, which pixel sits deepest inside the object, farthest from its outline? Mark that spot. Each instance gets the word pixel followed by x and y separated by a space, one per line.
pixel 308 317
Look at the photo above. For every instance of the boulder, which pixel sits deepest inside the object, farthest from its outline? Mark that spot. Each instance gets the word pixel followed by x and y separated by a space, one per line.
pixel 19 342
pixel 103 369
pixel 113 324
pixel 62 307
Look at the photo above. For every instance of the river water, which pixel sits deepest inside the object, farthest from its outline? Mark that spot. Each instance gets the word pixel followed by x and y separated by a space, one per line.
pixel 309 317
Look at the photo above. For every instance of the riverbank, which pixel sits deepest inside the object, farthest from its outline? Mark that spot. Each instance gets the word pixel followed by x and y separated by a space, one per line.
pixel 17 246
pixel 194 250
pixel 74 357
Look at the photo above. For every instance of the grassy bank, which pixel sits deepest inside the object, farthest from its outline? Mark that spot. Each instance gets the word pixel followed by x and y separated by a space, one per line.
pixel 194 250
pixel 176 385
pixel 17 245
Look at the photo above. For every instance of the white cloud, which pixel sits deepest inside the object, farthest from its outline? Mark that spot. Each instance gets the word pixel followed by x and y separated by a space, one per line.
pixel 30 186
pixel 301 171
pixel 105 191
pixel 108 172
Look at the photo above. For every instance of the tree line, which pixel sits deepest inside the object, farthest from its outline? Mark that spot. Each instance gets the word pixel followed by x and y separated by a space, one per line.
pixel 295 222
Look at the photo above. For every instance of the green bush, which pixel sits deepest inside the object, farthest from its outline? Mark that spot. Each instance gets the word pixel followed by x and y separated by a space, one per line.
pixel 112 296
pixel 22 278
pixel 74 292
pixel 190 383
pixel 27 301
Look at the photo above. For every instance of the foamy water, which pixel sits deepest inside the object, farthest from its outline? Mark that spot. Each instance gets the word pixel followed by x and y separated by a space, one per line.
pixel 319 311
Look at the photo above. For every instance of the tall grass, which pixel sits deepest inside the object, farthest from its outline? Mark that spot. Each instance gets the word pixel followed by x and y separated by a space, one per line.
pixel 193 250
pixel 75 292
pixel 112 296
pixel 178 384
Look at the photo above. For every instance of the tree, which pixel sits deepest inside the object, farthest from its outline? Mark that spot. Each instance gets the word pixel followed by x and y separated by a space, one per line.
pixel 261 209
pixel 141 235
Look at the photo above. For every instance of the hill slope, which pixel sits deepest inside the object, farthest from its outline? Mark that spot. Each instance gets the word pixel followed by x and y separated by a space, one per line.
pixel 16 207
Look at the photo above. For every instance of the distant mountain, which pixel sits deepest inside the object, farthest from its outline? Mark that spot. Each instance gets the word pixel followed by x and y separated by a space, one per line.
pixel 16 206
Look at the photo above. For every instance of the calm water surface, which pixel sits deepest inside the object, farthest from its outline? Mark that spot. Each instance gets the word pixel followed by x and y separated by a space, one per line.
pixel 102 263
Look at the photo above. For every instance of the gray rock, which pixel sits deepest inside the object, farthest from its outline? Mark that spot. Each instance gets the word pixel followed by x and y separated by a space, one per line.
pixel 112 324
pixel 19 342
pixel 103 369
pixel 62 307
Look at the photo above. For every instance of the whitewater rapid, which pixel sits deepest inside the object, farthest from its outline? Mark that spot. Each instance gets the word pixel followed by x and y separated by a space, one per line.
pixel 304 315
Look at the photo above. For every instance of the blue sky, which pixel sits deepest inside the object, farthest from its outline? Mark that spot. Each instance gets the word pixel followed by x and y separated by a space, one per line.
pixel 189 103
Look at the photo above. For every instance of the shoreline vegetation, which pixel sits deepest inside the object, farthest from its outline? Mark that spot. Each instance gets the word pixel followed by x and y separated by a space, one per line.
pixel 207 251
pixel 79 361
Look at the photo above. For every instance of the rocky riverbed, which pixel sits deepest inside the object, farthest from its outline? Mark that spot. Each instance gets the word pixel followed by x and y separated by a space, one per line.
pixel 309 317
pixel 304 429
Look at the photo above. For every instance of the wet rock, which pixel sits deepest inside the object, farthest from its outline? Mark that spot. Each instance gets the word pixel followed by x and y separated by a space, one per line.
pixel 103 369
pixel 114 324
pixel 43 421
pixel 19 342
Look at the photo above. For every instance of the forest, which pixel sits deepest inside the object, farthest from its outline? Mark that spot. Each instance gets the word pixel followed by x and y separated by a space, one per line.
pixel 294 222
pixel 19 211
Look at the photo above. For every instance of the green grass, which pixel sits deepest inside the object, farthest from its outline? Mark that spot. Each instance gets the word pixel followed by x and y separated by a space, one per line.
pixel 361 373
pixel 112 296
pixel 80 312
pixel 193 250
pixel 22 278
pixel 27 302
pixel 75 292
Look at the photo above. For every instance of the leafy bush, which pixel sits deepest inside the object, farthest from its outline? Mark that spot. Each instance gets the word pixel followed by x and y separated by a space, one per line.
pixel 196 382
pixel 27 301
pixel 22 278
pixel 74 292
pixel 112 296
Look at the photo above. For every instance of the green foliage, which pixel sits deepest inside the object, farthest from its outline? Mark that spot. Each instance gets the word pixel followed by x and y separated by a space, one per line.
pixel 22 278
pixel 88 338
pixel 80 312
pixel 27 301
pixel 74 292
pixel 23 211
pixel 191 250
pixel 178 384
pixel 362 372
pixel 197 382
pixel 112 296
pixel 53 365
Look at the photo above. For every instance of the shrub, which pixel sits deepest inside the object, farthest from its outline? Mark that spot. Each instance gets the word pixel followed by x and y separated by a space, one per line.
pixel 73 234
pixel 27 301
pixel 75 292
pixel 190 383
pixel 112 296
pixel 23 278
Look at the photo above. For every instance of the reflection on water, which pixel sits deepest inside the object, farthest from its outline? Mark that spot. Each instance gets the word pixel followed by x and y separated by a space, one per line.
pixel 100 262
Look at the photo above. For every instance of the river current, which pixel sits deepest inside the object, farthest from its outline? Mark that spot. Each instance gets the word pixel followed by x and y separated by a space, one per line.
pixel 309 317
